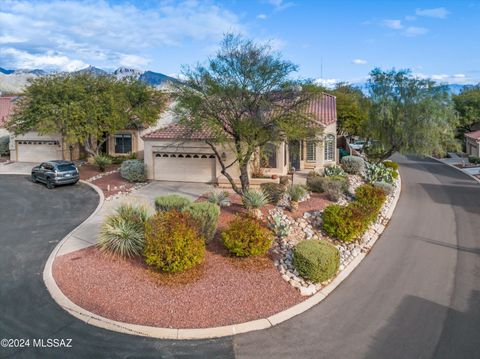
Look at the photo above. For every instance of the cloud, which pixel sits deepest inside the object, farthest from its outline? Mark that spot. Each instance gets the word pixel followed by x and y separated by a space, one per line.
pixel 410 18
pixel 393 24
pixel 280 4
pixel 48 60
pixel 446 78
pixel 329 83
pixel 105 34
pixel 439 12
pixel 412 31
pixel 262 16
pixel 359 62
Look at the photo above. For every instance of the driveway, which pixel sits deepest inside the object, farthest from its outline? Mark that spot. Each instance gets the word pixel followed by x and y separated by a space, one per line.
pixel 416 295
pixel 17 167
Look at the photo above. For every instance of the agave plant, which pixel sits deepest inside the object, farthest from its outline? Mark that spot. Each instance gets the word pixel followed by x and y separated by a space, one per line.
pixel 334 171
pixel 279 227
pixel 378 173
pixel 254 199
pixel 219 198
pixel 102 162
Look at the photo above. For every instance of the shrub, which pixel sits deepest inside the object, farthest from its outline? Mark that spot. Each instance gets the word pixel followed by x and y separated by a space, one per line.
pixel 333 185
pixel 316 260
pixel 371 199
pixel 274 191
pixel 206 215
pixel 246 236
pixel 353 164
pixel 384 186
pixel 284 180
pixel 172 242
pixel 391 164
pixel 123 233
pixel 345 223
pixel 171 202
pixel 4 143
pixel 133 170
pixel 280 228
pixel 102 161
pixel 333 189
pixel 334 171
pixel 252 199
pixel 315 183
pixel 219 198
pixel 474 159
pixel 378 173
pixel 297 192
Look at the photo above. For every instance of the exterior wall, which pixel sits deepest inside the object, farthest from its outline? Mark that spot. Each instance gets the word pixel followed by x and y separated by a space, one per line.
pixel 282 162
pixel 472 147
pixel 4 132
pixel 320 161
pixel 136 145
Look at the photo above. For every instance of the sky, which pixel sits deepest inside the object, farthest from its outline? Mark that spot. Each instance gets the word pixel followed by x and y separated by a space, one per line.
pixel 329 40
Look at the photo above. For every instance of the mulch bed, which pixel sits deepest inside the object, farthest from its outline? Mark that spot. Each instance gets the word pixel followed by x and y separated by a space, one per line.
pixel 110 184
pixel 88 170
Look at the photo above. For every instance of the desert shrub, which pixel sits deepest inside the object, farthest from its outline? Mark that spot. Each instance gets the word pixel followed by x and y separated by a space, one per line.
pixel 4 143
pixel 334 189
pixel 246 236
pixel 172 242
pixel 371 199
pixel 384 186
pixel 378 173
pixel 391 164
pixel 315 183
pixel 345 223
pixel 274 191
pixel 133 170
pixel 474 159
pixel 253 199
pixel 334 185
pixel 316 260
pixel 353 164
pixel 102 161
pixel 123 233
pixel 296 192
pixel 334 171
pixel 280 228
pixel 171 202
pixel 284 180
pixel 219 198
pixel 206 215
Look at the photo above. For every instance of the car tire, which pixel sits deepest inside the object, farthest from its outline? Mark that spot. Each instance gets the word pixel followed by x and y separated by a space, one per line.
pixel 33 178
pixel 50 184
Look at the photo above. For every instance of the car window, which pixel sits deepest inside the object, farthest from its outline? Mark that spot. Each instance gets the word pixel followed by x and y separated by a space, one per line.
pixel 49 167
pixel 66 167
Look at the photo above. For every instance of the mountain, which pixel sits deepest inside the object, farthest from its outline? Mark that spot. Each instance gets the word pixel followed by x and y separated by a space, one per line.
pixel 5 71
pixel 125 72
pixel 156 78
pixel 91 70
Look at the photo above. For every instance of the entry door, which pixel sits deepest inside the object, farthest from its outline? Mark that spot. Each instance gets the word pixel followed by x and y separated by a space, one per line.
pixel 294 154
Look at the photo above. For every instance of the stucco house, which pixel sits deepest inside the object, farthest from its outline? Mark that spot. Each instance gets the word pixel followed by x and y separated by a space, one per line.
pixel 7 104
pixel 472 143
pixel 175 153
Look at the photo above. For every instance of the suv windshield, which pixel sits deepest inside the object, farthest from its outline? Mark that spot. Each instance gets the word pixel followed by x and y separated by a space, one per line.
pixel 64 168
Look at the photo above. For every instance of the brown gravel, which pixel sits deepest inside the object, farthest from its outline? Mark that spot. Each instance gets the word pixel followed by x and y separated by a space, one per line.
pixel 88 170
pixel 112 184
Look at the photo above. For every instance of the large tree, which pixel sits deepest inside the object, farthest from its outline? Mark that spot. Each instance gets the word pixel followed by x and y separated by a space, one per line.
pixel 85 108
pixel 352 109
pixel 244 98
pixel 467 104
pixel 408 115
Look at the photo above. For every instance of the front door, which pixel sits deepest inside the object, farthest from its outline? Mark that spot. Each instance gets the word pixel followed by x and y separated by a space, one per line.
pixel 294 154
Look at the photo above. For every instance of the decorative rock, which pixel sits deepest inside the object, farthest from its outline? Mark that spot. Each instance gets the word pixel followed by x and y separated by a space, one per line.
pixel 307 291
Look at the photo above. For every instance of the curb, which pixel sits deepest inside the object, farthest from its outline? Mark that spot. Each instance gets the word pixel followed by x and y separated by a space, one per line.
pixel 200 333
pixel 458 169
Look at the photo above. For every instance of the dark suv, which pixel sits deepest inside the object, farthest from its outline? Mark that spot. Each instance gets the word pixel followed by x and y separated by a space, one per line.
pixel 54 173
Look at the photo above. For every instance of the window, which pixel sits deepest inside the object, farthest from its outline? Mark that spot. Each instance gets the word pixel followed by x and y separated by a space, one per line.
pixel 123 143
pixel 311 151
pixel 269 156
pixel 329 148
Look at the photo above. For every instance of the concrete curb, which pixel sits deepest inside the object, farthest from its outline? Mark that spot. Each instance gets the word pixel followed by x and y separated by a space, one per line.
pixel 458 169
pixel 201 333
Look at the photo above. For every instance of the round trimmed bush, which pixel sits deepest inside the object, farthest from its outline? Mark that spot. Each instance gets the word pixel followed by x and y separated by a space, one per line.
pixel 353 164
pixel 206 214
pixel 173 243
pixel 247 236
pixel 133 170
pixel 316 260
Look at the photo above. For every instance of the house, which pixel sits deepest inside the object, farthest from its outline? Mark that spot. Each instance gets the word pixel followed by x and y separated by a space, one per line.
pixel 175 153
pixel 472 143
pixel 7 104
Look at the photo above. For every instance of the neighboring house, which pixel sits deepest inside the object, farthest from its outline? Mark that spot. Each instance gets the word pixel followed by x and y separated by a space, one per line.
pixel 175 153
pixel 7 104
pixel 472 143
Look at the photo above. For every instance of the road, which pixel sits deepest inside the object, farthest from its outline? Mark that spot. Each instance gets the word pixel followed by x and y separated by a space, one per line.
pixel 416 295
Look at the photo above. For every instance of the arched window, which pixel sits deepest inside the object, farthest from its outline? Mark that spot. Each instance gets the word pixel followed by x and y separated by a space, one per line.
pixel 329 147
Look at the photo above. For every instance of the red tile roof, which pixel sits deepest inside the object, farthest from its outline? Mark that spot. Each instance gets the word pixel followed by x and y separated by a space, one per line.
pixel 7 104
pixel 475 135
pixel 322 107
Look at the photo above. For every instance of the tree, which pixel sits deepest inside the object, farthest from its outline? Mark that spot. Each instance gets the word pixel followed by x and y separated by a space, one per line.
pixel 408 115
pixel 84 108
pixel 244 99
pixel 467 104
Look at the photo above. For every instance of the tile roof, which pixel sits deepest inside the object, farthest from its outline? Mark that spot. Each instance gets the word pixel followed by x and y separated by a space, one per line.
pixel 7 104
pixel 322 107
pixel 475 135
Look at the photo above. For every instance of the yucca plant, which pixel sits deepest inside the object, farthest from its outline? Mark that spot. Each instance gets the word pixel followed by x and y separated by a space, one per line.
pixel 296 192
pixel 102 162
pixel 219 198
pixel 254 200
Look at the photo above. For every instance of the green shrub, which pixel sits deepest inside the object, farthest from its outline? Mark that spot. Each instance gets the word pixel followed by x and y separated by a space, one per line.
pixel 173 242
pixel 206 215
pixel 170 202
pixel 378 173
pixel 391 164
pixel 133 170
pixel 296 192
pixel 253 199
pixel 384 186
pixel 353 164
pixel 334 185
pixel 4 145
pixel 345 223
pixel 315 182
pixel 246 236
pixel 371 199
pixel 274 191
pixel 102 161
pixel 123 233
pixel 316 260
pixel 334 171
pixel 284 180
pixel 219 198
pixel 474 159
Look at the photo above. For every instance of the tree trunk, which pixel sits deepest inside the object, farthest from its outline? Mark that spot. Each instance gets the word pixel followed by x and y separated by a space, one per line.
pixel 244 180
pixel 224 168
pixel 386 155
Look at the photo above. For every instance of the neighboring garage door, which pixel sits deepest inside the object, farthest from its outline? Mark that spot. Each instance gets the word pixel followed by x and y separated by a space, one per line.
pixel 38 151
pixel 184 167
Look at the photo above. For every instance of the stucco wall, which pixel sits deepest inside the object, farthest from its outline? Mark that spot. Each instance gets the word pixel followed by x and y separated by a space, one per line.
pixel 472 147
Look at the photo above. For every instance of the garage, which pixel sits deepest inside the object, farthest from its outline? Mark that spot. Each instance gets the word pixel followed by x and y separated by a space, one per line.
pixel 184 167
pixel 38 151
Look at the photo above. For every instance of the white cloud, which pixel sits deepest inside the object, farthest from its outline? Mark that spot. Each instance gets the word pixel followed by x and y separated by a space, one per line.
pixel 446 78
pixel 329 83
pixel 439 12
pixel 359 62
pixel 280 4
pixel 104 33
pixel 262 16
pixel 412 31
pixel 410 18
pixel 133 61
pixel 393 24
pixel 48 60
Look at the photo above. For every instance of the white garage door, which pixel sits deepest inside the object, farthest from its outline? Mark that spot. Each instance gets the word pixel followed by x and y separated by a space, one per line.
pixel 184 167
pixel 38 151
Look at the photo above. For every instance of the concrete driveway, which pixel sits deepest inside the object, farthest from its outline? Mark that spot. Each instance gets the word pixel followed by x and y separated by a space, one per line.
pixel 17 167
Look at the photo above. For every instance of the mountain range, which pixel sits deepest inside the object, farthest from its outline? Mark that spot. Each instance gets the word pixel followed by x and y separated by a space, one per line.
pixel 14 81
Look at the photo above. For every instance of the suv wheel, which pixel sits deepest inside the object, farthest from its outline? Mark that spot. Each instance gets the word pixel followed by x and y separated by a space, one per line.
pixel 34 178
pixel 50 184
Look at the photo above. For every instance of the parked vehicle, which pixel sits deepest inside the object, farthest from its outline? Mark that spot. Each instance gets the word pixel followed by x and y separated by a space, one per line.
pixel 358 145
pixel 55 173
